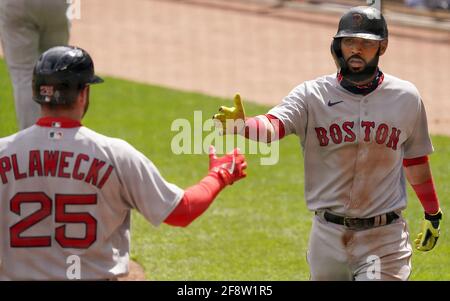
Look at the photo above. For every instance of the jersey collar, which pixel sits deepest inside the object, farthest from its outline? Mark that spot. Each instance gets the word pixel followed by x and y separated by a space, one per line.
pixel 58 122
pixel 361 89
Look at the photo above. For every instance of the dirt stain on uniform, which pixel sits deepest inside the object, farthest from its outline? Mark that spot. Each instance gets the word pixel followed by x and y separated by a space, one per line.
pixel 347 237
pixel 374 164
pixel 346 154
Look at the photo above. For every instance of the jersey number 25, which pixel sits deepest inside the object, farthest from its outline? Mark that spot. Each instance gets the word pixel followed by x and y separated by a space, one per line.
pixel 61 216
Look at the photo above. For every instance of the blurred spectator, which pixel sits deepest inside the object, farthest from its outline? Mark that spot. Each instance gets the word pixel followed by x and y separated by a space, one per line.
pixel 415 3
pixel 433 4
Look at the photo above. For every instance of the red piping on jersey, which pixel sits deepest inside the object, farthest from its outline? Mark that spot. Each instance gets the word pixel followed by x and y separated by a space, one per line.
pixel 277 124
pixel 415 161
pixel 59 122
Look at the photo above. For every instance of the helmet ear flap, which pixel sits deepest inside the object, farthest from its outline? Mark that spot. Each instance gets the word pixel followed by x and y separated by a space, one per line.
pixel 383 47
pixel 336 52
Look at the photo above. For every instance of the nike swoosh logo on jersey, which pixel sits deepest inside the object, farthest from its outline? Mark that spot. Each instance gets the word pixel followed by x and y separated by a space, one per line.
pixel 330 104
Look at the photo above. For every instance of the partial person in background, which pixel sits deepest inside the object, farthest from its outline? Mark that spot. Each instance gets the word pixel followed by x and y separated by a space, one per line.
pixel 27 29
pixel 415 3
pixel 430 4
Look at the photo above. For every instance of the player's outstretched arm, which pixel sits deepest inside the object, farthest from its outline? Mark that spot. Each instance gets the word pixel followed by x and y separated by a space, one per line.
pixel 223 171
pixel 418 173
pixel 262 128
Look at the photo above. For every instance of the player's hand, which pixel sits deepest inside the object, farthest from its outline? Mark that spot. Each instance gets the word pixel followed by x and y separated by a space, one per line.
pixel 230 167
pixel 428 237
pixel 231 120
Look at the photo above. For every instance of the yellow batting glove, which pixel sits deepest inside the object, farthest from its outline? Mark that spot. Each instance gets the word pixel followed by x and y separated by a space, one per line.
pixel 428 237
pixel 231 120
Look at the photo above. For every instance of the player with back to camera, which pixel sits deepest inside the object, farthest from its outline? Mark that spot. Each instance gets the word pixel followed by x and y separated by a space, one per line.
pixel 66 190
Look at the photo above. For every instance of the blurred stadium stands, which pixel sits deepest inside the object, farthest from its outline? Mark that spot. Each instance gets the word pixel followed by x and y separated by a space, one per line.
pixel 434 14
pixel 423 4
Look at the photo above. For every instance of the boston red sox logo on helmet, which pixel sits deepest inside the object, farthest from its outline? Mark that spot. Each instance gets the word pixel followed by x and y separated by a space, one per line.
pixel 362 22
pixel 357 20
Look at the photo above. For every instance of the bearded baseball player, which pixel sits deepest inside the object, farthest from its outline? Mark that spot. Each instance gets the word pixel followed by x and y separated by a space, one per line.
pixel 66 192
pixel 362 131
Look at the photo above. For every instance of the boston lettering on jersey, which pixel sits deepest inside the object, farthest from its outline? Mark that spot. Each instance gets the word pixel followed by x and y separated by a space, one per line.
pixel 50 163
pixel 345 133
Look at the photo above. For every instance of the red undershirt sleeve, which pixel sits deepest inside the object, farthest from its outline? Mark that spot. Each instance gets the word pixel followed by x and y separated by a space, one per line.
pixel 426 192
pixel 196 200
pixel 264 128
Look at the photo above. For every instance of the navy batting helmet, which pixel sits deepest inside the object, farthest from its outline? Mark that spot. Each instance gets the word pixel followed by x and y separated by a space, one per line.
pixel 363 22
pixel 60 73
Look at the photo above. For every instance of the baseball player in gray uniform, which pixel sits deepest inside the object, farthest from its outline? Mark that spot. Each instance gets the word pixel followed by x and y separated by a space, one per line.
pixel 28 28
pixel 66 191
pixel 362 131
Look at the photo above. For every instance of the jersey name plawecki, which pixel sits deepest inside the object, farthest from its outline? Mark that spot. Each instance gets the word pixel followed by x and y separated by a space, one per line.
pixel 66 190
pixel 54 163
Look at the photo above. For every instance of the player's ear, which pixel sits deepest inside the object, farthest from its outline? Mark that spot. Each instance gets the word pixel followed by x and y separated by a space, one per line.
pixel 383 46
pixel 82 95
pixel 83 100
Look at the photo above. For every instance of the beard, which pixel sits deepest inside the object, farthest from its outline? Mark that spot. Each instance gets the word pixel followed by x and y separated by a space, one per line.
pixel 362 75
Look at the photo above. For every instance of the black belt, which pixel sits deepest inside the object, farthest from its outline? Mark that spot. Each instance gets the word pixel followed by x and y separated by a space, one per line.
pixel 361 223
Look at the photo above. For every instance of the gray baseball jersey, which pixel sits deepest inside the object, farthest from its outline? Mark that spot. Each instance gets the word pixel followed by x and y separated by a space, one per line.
pixel 68 191
pixel 353 145
pixel 28 28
